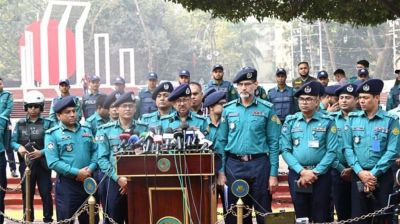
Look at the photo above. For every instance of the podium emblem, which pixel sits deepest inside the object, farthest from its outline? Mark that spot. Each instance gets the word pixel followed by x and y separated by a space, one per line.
pixel 240 188
pixel 90 185
pixel 163 165
pixel 169 220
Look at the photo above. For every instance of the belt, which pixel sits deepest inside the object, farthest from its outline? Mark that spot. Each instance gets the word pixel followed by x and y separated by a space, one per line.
pixel 246 158
pixel 308 167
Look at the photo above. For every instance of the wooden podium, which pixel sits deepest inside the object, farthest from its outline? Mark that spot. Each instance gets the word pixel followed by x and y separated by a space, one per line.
pixel 169 188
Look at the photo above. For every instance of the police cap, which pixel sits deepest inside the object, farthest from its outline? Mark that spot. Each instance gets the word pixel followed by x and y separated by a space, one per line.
pixel 128 97
pixel 313 88
pixel 162 87
pixel 214 98
pixel 372 86
pixel 246 73
pixel 180 91
pixel 63 103
pixel 347 89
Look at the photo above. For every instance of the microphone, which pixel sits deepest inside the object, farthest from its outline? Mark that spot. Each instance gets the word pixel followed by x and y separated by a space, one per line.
pixel 168 136
pixel 189 137
pixel 149 139
pixel 124 137
pixel 206 144
pixel 183 126
pixel 178 135
pixel 158 138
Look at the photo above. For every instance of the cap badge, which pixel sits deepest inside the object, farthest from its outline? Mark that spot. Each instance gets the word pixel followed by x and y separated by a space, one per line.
pixel 350 89
pixel 366 87
pixel 307 89
pixel 132 96
pixel 166 86
pixel 249 75
pixel 187 91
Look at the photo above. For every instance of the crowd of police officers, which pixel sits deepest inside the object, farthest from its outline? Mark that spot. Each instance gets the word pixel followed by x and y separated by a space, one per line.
pixel 340 146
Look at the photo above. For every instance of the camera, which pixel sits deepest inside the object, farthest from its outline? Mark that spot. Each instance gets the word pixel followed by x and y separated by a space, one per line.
pixel 31 146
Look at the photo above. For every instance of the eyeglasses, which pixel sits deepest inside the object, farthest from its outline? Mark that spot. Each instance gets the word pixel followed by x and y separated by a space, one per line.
pixel 306 99
pixel 127 106
pixel 182 100
pixel 33 105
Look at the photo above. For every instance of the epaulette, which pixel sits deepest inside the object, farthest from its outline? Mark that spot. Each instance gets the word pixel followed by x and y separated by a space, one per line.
pixel 107 125
pixel 264 102
pixel 91 118
pixel 49 131
pixel 333 114
pixel 230 102
pixel 166 116
pixel 141 123
pixel 291 117
pixel 85 126
pixel 148 115
pixel 7 92
pixel 354 114
pixel 393 116
pixel 200 116
pixel 327 116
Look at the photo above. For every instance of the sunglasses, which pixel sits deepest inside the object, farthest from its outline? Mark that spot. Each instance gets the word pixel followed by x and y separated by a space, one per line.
pixel 33 105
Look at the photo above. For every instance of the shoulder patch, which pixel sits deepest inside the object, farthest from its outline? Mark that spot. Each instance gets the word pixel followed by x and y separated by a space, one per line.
pixel 327 116
pixel 264 102
pixel 230 103
pixel 200 116
pixel 49 131
pixel 354 114
pixel 390 115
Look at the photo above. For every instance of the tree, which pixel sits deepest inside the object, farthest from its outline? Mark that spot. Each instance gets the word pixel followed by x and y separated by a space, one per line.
pixel 355 12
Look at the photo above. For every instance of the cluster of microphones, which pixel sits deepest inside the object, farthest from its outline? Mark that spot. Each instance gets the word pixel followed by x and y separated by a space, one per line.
pixel 181 139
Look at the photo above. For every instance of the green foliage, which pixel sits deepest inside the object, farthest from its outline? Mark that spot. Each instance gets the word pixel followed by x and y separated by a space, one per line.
pixel 355 12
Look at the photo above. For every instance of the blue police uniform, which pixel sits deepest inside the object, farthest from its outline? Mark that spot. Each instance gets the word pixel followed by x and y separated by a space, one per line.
pixel 211 134
pixel 146 103
pixel 283 101
pixel 371 144
pixel 173 120
pixel 310 145
pixel 6 107
pixel 78 109
pixel 67 151
pixel 249 136
pixel 96 121
pixel 89 104
pixel 115 204
pixel 27 131
pixel 108 141
pixel 341 189
pixel 153 119
pixel 225 86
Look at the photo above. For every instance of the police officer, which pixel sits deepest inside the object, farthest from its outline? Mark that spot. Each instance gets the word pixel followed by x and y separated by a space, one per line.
pixel 260 91
pixel 100 117
pixel 341 172
pixel 197 98
pixel 282 96
pixel 218 82
pixel 249 133
pixel 184 77
pixel 308 145
pixel 146 103
pixel 303 68
pixel 64 87
pixel 109 104
pixel 89 100
pixel 181 100
pixel 108 142
pixel 119 85
pixel 323 78
pixel 215 104
pixel 164 107
pixel 72 153
pixel 393 99
pixel 5 111
pixel 371 145
pixel 28 139
pixel 329 101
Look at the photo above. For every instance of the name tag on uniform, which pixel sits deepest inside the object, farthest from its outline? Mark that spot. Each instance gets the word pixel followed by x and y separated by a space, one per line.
pixel 313 144
pixel 233 114
pixel 376 146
